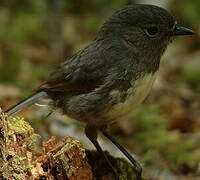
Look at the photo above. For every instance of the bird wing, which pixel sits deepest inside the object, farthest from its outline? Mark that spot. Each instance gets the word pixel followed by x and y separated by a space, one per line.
pixel 82 73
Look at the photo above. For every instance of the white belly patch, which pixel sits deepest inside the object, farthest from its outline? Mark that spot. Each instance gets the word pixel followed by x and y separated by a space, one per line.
pixel 135 95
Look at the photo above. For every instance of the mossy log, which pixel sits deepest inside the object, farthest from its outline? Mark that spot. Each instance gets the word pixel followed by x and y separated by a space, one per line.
pixel 22 158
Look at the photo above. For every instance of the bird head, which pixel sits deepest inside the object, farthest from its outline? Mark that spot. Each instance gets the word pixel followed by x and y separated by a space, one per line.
pixel 144 28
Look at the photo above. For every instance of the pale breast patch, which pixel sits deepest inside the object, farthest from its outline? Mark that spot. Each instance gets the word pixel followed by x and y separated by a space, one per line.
pixel 135 96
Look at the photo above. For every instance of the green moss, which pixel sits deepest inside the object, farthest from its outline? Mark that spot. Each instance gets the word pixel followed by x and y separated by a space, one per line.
pixel 18 125
pixel 19 138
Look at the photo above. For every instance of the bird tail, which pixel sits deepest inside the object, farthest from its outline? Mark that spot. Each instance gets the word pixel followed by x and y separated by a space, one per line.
pixel 26 102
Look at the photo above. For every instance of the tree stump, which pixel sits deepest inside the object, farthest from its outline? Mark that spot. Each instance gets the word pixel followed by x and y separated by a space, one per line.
pixel 22 158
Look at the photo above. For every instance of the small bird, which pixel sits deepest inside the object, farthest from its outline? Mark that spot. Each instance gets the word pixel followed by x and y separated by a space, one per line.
pixel 113 74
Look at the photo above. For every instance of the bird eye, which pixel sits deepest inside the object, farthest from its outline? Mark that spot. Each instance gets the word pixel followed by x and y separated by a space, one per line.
pixel 151 31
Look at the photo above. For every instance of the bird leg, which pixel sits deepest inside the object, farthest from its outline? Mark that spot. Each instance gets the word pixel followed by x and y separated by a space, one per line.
pixel 91 133
pixel 136 164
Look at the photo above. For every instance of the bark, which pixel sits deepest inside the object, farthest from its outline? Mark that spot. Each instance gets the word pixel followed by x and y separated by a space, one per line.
pixel 22 158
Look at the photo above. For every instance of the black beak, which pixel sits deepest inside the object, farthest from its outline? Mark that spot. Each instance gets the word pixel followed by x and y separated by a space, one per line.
pixel 182 31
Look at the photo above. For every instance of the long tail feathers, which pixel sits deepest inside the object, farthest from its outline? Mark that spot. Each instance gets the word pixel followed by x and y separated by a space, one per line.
pixel 23 104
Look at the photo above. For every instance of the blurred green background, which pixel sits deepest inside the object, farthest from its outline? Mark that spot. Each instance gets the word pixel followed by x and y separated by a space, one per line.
pixel 35 36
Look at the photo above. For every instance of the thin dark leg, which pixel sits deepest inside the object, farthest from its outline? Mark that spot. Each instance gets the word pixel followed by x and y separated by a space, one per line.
pixel 91 133
pixel 135 163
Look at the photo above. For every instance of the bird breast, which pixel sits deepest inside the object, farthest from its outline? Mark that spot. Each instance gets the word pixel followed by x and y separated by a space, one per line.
pixel 138 91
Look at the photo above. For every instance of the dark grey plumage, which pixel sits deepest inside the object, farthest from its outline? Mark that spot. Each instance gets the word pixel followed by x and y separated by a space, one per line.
pixel 122 53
